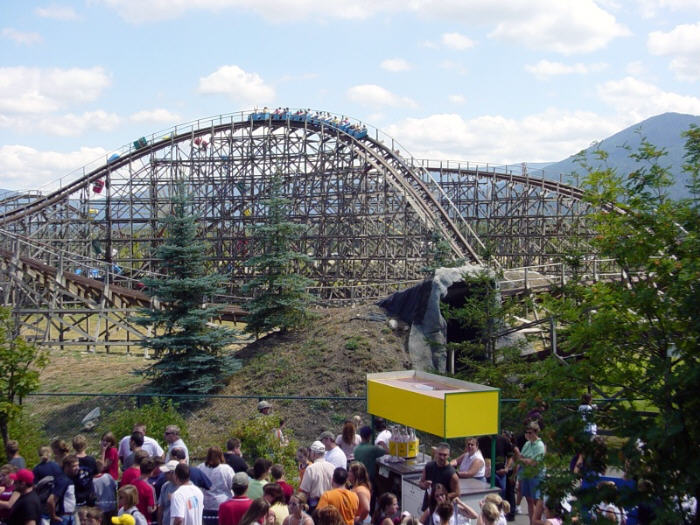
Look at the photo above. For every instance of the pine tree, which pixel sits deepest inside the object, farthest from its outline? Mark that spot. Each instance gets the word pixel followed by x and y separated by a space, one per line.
pixel 280 299
pixel 191 353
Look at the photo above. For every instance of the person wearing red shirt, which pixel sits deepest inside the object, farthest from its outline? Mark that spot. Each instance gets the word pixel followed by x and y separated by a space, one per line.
pixel 277 473
pixel 231 511
pixel 147 497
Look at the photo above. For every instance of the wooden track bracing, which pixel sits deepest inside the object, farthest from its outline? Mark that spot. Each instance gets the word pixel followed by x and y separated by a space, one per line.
pixel 372 214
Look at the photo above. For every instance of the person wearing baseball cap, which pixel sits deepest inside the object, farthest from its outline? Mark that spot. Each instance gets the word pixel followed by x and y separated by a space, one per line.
pixel 27 508
pixel 334 453
pixel 166 491
pixel 231 511
pixel 264 407
pixel 318 477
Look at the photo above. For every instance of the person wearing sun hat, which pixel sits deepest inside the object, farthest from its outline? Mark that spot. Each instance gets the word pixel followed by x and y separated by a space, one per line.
pixel 27 508
pixel 264 407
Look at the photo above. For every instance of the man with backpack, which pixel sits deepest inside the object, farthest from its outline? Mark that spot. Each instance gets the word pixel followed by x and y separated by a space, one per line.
pixel 87 468
pixel 61 502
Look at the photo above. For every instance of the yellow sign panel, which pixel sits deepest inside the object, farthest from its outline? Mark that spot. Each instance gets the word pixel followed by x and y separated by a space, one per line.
pixel 439 405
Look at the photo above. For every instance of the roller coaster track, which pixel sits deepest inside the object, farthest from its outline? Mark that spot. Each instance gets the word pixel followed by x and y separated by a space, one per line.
pixel 370 207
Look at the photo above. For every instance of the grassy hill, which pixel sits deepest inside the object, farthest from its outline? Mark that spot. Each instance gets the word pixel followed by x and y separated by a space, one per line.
pixel 329 359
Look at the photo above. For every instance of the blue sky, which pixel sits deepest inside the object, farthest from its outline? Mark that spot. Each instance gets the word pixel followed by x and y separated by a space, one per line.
pixel 473 80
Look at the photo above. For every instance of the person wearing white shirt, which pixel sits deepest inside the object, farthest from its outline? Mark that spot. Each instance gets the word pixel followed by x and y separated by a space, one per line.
pixel 150 445
pixel 187 502
pixel 334 454
pixel 172 437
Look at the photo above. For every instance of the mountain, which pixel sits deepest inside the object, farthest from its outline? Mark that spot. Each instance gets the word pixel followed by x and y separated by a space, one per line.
pixel 663 131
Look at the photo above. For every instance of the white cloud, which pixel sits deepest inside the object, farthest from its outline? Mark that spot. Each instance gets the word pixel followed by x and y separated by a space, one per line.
pixel 66 125
pixel 56 12
pixel 562 26
pixel 453 66
pixel 25 39
pixel 456 41
pixel 545 69
pixel 456 99
pixel 683 44
pixel 640 100
pixel 548 136
pixel 650 8
pixel 71 125
pixel 23 167
pixel 138 11
pixel 238 85
pixel 566 27
pixel 155 115
pixel 396 65
pixel 635 68
pixel 377 96
pixel 35 90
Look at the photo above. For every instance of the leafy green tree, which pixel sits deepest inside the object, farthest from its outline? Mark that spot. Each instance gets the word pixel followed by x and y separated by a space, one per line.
pixel 637 338
pixel 192 354
pixel 20 364
pixel 280 299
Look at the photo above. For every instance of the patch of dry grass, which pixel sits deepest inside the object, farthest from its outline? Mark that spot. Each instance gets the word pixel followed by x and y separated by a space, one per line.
pixel 329 359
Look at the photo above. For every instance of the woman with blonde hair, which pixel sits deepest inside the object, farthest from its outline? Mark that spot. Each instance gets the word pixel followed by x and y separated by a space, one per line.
pixel 502 505
pixel 297 511
pixel 489 514
pixel 359 481
pixel 128 499
pixel 60 450
pixel 221 475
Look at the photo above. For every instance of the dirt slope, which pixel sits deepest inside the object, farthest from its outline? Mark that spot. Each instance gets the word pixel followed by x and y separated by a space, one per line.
pixel 328 359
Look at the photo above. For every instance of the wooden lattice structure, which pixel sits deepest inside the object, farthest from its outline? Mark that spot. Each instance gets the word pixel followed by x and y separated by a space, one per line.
pixel 371 211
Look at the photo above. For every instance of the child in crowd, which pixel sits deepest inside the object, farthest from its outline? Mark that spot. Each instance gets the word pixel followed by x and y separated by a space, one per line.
pixel 105 487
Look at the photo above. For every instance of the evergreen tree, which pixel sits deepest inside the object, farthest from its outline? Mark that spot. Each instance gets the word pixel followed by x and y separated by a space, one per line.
pixel 192 354
pixel 280 299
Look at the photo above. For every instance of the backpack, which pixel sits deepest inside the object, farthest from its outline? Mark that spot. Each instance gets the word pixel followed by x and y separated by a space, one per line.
pixel 43 489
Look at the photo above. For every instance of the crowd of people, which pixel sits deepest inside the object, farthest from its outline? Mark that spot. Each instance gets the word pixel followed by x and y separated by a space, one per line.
pixel 136 481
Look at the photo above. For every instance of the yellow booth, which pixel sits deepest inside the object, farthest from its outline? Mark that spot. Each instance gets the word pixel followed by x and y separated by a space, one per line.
pixel 439 405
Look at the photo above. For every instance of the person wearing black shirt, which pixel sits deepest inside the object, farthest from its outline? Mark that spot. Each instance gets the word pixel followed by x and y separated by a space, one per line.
pixel 84 491
pixel 27 509
pixel 234 457
pixel 439 471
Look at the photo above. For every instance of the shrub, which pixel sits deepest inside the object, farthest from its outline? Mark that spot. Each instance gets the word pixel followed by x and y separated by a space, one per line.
pixel 30 436
pixel 156 415
pixel 258 440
